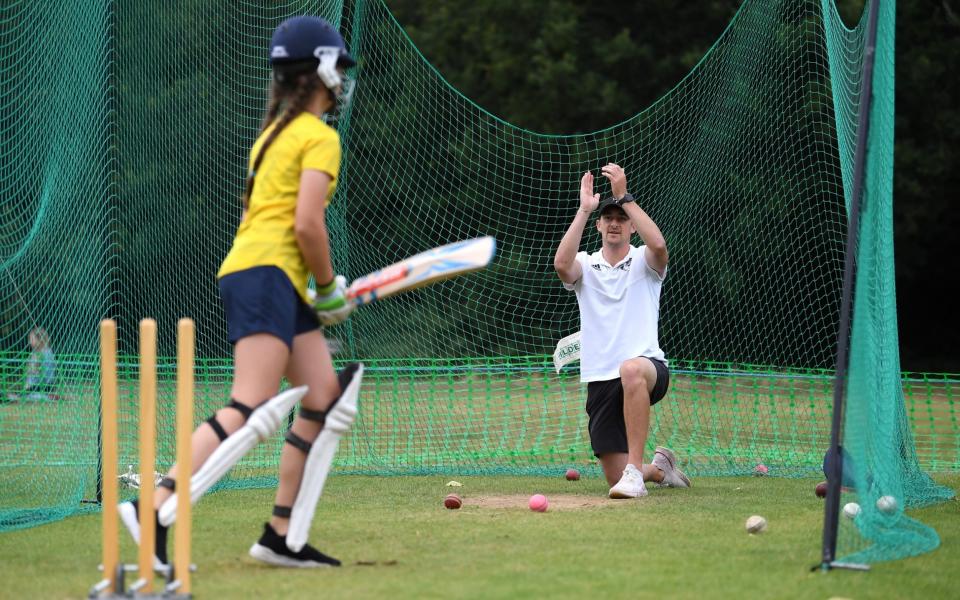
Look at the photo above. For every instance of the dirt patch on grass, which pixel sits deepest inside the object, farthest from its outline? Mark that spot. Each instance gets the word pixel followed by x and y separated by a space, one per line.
pixel 555 502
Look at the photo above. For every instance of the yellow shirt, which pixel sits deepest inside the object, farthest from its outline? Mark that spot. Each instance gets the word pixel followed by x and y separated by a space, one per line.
pixel 266 236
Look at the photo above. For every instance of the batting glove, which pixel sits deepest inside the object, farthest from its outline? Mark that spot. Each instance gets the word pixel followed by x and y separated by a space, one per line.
pixel 331 302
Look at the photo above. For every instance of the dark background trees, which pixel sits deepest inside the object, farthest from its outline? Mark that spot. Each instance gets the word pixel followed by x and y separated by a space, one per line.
pixel 563 66
pixel 152 128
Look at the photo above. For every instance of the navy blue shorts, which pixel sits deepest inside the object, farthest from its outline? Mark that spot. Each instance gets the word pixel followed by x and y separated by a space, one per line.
pixel 263 300
pixel 608 432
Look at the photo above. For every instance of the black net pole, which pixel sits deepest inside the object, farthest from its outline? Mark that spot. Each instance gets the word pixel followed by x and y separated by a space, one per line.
pixel 835 466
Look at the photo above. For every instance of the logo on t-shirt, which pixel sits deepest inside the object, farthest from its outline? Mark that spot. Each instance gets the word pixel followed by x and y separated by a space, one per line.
pixel 624 266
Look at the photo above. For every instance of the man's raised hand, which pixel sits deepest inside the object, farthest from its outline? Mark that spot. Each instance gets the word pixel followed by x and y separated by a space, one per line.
pixel 618 180
pixel 588 200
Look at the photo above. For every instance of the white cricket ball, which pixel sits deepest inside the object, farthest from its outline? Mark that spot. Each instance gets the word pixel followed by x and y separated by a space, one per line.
pixel 756 524
pixel 851 509
pixel 886 504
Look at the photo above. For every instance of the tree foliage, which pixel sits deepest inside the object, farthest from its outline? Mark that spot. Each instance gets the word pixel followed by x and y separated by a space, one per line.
pixel 566 67
pixel 184 96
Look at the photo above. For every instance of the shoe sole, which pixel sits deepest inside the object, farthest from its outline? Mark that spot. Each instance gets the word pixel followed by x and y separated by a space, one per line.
pixel 683 477
pixel 623 496
pixel 266 555
pixel 616 494
pixel 131 521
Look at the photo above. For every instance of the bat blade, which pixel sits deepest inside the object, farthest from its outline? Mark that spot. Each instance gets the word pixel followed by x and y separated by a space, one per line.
pixel 369 284
pixel 422 269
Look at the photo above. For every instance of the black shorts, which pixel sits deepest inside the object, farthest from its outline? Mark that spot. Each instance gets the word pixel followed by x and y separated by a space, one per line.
pixel 263 300
pixel 608 433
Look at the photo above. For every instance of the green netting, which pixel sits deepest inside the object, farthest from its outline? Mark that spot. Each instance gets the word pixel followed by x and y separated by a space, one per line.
pixel 877 436
pixel 124 156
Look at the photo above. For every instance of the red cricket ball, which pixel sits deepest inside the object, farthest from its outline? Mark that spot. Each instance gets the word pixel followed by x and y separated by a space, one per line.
pixel 821 489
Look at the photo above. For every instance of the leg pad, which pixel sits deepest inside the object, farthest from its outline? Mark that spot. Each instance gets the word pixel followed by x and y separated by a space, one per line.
pixel 263 422
pixel 339 418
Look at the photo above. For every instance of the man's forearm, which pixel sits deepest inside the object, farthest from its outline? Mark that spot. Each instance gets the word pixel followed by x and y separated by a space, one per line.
pixel 570 244
pixel 646 228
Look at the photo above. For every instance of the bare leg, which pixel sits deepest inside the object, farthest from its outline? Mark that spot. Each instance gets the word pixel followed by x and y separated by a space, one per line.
pixel 259 361
pixel 311 365
pixel 613 464
pixel 638 377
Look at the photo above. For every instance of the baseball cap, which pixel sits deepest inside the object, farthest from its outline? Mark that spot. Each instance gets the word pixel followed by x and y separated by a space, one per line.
pixel 608 202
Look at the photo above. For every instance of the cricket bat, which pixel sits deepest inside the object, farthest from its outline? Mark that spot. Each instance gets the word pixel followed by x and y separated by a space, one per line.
pixel 423 269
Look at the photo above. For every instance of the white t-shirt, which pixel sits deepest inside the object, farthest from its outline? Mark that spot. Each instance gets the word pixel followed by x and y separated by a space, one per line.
pixel 619 311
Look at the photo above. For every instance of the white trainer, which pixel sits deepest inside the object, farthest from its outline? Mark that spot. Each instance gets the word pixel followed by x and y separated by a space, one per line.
pixel 665 460
pixel 630 485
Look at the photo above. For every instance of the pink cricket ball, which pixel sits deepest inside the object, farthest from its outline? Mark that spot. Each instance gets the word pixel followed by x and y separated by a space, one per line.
pixel 538 503
pixel 761 470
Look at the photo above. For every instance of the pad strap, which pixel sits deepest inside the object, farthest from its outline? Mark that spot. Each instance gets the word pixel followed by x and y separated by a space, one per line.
pixel 243 409
pixel 313 415
pixel 297 442
pixel 340 416
pixel 218 429
pixel 169 483
pixel 282 511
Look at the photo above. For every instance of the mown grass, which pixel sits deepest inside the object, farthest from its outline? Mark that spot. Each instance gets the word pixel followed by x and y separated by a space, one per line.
pixel 672 544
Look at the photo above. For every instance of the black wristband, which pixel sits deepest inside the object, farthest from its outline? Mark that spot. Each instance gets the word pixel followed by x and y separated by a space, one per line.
pixel 627 198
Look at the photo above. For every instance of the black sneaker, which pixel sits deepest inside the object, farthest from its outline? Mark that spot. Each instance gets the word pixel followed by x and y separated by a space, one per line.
pixel 130 515
pixel 272 549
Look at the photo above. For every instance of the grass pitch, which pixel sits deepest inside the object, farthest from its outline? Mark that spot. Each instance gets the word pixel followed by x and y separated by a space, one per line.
pixel 398 541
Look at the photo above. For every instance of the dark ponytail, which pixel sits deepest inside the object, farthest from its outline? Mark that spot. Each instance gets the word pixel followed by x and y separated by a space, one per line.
pixel 290 92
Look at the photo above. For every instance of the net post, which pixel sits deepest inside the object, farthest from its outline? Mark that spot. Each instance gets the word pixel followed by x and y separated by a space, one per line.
pixel 834 478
